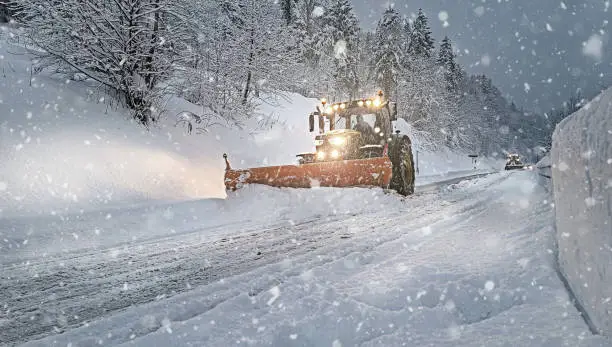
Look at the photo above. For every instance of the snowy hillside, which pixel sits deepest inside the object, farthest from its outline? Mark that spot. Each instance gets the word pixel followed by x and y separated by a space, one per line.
pixel 65 146
pixel 582 180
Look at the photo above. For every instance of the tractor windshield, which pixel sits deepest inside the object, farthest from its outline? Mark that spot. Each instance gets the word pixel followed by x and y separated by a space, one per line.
pixel 370 119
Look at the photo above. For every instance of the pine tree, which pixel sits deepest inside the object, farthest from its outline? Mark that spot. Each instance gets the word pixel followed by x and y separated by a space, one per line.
pixel 446 59
pixel 287 7
pixel 311 31
pixel 421 42
pixel 407 32
pixel 342 21
pixel 343 26
pixel 388 59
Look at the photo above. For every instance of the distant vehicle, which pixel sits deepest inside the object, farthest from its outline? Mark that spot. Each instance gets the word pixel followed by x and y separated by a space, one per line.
pixel 514 163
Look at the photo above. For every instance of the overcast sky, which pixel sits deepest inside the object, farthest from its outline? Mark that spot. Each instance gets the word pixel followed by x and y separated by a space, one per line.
pixel 536 51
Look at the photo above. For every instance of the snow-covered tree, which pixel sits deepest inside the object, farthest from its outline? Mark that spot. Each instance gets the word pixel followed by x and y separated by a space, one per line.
pixel 406 36
pixel 343 26
pixel 354 77
pixel 421 94
pixel 128 46
pixel 446 60
pixel 342 21
pixel 288 8
pixel 243 55
pixel 316 47
pixel 421 42
pixel 310 29
pixel 387 51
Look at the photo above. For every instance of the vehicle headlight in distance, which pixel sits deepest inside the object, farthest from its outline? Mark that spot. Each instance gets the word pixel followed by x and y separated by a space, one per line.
pixel 321 155
pixel 335 154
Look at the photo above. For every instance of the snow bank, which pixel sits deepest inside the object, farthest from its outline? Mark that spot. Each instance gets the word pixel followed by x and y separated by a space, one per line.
pixel 582 180
pixel 443 162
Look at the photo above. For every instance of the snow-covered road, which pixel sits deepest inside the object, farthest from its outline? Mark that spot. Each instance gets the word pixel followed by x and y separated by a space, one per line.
pixel 470 263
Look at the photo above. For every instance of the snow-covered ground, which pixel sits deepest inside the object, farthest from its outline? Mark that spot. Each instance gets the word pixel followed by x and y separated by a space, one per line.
pixel 581 160
pixel 468 264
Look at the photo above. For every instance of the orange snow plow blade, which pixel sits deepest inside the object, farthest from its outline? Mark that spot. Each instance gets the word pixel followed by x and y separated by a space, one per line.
pixel 372 172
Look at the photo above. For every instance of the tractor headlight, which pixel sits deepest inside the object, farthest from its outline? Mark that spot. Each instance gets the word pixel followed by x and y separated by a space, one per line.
pixel 337 141
pixel 335 154
pixel 376 102
pixel 377 130
pixel 321 155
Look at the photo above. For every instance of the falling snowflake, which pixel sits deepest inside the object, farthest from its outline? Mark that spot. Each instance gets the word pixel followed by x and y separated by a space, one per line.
pixel 443 17
pixel 340 49
pixel 275 291
pixel 590 201
pixel 166 324
pixel 593 47
pixel 485 60
pixel 527 87
pixel 318 11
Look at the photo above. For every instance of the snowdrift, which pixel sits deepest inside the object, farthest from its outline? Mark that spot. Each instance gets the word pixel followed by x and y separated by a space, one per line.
pixel 582 180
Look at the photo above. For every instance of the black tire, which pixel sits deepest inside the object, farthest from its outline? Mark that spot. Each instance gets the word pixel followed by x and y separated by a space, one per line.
pixel 400 154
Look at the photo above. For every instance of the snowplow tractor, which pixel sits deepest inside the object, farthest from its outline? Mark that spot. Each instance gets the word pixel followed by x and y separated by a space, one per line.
pixel 514 163
pixel 355 147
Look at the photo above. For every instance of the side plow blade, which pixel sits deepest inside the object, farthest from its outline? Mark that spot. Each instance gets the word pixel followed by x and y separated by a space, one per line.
pixel 372 172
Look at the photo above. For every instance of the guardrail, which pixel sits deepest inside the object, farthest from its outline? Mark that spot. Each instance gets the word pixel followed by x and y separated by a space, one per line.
pixel 545 176
pixel 545 171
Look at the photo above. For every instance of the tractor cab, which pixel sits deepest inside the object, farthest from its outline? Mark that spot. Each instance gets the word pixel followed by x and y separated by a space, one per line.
pixel 355 129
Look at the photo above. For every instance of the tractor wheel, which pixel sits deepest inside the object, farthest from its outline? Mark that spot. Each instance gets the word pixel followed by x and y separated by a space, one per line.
pixel 400 154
